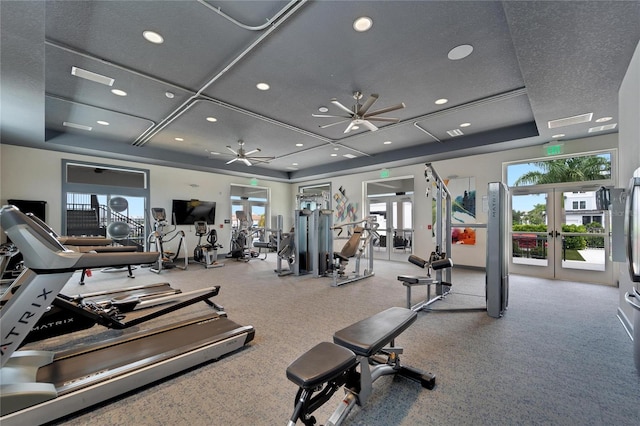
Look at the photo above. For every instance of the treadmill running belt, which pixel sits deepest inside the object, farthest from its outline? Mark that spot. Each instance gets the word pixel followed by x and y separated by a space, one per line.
pixel 73 370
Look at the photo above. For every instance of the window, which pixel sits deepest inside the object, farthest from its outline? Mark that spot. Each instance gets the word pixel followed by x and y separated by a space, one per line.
pixel 314 196
pixel 253 203
pixel 592 167
pixel 100 199
pixel 575 205
pixel 583 205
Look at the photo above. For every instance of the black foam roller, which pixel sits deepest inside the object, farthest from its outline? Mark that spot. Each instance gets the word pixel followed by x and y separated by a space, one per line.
pixel 441 264
pixel 418 261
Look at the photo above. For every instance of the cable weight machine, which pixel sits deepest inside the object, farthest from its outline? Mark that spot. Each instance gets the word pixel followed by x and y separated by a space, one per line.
pixel 497 252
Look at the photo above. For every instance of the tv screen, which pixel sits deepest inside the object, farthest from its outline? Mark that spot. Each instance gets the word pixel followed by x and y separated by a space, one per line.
pixel 27 206
pixel 186 212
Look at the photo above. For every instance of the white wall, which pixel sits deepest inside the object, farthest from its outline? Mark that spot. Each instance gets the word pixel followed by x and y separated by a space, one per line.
pixel 35 174
pixel 485 168
pixel 629 110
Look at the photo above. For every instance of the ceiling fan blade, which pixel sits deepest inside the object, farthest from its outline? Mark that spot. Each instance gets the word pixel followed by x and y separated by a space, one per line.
pixel 333 124
pixel 349 127
pixel 232 160
pixel 246 161
pixel 232 150
pixel 252 151
pixel 329 116
pixel 365 107
pixel 369 126
pixel 388 119
pixel 342 107
pixel 387 109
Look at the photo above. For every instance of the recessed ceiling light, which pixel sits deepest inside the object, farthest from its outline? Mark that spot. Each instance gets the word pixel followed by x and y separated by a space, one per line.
pixel 455 132
pixel 336 149
pixel 291 168
pixel 603 119
pixel 349 155
pixel 179 139
pixel 355 127
pixel 76 126
pixel 362 24
pixel 323 109
pixel 334 155
pixel 559 135
pixel 262 86
pixel 294 164
pixel 299 144
pixel 118 92
pixel 442 101
pixel 169 95
pixel 465 125
pixel 212 119
pixel 460 52
pixel 92 76
pixel 153 37
pixel 387 142
pixel 214 153
pixel 104 123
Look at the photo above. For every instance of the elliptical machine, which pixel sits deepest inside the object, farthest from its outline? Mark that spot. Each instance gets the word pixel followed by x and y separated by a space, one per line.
pixel 206 254
pixel 166 259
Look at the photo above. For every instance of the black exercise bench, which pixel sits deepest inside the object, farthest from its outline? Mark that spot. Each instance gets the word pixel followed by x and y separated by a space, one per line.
pixel 326 367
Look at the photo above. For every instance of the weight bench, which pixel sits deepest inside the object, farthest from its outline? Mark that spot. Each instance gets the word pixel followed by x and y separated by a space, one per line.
pixel 326 367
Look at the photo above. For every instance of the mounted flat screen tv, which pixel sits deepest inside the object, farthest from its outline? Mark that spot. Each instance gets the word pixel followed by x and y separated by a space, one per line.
pixel 186 212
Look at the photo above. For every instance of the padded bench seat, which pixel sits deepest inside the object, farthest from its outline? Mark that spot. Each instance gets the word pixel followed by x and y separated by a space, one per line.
pixel 368 336
pixel 320 364
pixel 412 280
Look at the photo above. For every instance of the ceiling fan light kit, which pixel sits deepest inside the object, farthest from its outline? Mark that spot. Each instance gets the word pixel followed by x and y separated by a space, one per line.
pixel 359 115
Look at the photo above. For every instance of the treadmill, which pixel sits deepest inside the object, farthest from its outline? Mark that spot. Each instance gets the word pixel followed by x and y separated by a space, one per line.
pixel 41 386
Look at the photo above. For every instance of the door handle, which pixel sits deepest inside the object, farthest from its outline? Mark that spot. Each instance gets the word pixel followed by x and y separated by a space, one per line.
pixel 554 233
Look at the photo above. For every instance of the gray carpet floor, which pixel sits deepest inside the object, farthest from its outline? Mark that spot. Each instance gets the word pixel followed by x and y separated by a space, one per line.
pixel 558 357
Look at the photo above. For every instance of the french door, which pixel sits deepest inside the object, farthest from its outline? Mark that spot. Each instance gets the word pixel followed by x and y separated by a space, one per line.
pixel 395 227
pixel 559 233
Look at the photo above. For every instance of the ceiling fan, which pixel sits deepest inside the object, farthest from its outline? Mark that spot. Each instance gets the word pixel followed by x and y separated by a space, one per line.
pixel 359 114
pixel 244 156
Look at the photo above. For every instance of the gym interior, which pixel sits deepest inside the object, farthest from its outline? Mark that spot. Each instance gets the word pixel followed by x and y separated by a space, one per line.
pixel 357 292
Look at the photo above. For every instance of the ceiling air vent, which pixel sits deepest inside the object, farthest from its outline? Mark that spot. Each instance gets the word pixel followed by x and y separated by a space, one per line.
pixel 576 119
pixel 603 128
pixel 92 76
pixel 76 126
pixel 455 132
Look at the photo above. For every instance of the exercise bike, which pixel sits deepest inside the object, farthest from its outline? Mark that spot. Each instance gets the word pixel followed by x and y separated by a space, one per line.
pixel 206 254
pixel 166 259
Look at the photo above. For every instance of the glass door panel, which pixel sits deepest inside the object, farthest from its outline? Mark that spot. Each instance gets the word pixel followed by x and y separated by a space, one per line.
pixel 531 253
pixel 584 246
pixel 379 209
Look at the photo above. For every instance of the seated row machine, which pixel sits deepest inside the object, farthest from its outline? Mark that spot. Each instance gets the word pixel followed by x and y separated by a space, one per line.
pixel 437 261
pixel 367 344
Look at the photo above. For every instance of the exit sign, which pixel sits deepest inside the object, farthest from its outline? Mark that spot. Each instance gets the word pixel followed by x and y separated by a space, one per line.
pixel 384 173
pixel 553 149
